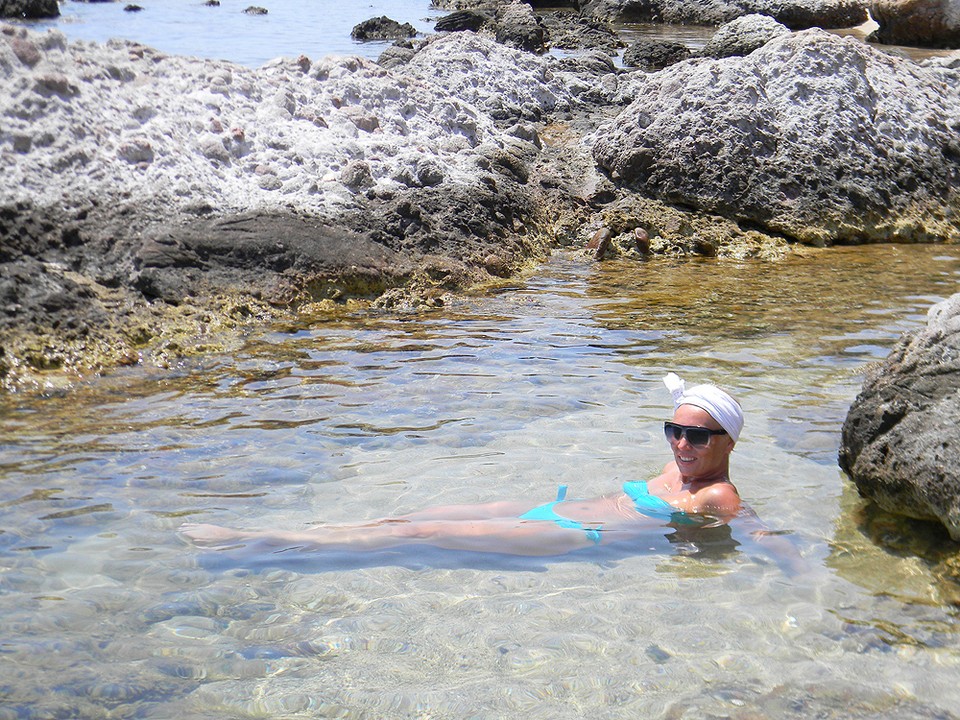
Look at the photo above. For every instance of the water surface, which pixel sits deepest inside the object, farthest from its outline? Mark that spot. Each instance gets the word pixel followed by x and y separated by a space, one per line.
pixel 103 608
pixel 314 28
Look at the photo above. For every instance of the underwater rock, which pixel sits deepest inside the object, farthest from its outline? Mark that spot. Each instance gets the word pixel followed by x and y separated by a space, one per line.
pixel 901 438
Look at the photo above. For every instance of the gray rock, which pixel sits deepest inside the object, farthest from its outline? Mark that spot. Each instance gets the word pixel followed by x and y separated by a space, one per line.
pixel 795 14
pixel 925 23
pixel 461 20
pixel 397 55
pixel 515 25
pixel 743 35
pixel 382 28
pixel 235 187
pixel 29 9
pixel 650 54
pixel 901 438
pixel 820 138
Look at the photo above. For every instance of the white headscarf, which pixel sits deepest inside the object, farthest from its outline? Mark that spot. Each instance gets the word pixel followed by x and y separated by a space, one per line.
pixel 721 406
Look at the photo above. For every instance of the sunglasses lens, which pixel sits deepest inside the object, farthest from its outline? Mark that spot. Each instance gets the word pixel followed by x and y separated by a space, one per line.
pixel 697 437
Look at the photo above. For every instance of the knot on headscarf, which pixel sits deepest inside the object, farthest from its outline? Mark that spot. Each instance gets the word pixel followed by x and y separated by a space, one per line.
pixel 721 406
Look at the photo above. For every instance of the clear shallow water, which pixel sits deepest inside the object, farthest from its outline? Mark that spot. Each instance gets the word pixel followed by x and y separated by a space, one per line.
pixel 104 609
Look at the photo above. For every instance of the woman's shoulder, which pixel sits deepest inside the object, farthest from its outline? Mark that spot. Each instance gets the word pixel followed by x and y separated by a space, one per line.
pixel 719 497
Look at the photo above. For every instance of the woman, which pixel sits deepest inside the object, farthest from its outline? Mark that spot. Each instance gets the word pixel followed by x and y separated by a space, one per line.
pixel 693 489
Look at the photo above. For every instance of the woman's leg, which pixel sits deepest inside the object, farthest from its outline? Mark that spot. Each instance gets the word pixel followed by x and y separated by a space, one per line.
pixel 372 531
pixel 499 535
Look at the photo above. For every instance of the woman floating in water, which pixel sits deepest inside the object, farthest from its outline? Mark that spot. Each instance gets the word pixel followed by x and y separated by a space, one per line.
pixel 694 490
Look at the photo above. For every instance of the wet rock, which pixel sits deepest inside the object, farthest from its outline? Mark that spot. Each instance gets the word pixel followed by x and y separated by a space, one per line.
pixel 795 14
pixel 743 35
pixel 924 23
pixel 382 28
pixel 819 138
pixel 460 20
pixel 29 9
pixel 901 438
pixel 600 242
pixel 255 10
pixel 649 54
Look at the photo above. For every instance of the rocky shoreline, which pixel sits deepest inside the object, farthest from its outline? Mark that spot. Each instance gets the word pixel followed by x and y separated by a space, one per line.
pixel 153 204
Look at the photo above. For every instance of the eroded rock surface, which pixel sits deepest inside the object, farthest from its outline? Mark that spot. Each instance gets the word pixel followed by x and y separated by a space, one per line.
pixel 134 181
pixel 901 438
pixel 820 138
pixel 795 14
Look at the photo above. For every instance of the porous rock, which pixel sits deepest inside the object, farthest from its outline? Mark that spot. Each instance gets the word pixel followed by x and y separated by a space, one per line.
pixel 820 138
pixel 743 35
pixel 901 438
pixel 516 25
pixel 795 14
pixel 136 181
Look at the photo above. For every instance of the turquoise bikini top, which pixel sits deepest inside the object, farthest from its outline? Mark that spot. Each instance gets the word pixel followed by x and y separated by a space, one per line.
pixel 648 504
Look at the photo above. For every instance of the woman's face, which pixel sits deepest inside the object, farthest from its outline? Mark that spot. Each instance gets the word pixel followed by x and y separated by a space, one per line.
pixel 700 463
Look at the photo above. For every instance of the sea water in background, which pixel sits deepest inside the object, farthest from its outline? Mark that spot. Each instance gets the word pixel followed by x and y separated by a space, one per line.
pixel 291 27
pixel 104 609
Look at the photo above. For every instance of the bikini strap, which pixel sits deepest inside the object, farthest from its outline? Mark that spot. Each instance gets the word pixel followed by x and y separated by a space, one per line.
pixel 561 493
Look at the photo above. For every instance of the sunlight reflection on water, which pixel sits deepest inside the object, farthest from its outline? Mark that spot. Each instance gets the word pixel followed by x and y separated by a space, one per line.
pixel 503 396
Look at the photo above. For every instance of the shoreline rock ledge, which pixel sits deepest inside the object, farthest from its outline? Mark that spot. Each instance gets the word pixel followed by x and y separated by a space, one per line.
pixel 148 200
pixel 901 439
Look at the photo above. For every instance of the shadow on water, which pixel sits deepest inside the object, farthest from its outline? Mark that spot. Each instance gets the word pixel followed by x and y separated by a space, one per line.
pixel 894 555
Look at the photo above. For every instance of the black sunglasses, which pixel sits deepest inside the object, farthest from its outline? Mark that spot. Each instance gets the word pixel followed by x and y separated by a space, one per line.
pixel 696 436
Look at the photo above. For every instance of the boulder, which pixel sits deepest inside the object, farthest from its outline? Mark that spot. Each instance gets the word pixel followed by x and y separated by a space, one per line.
pixel 743 35
pixel 382 28
pixel 901 438
pixel 517 26
pixel 460 20
pixel 569 31
pixel 510 22
pixel 29 9
pixel 795 14
pixel 820 138
pixel 651 54
pixel 925 23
